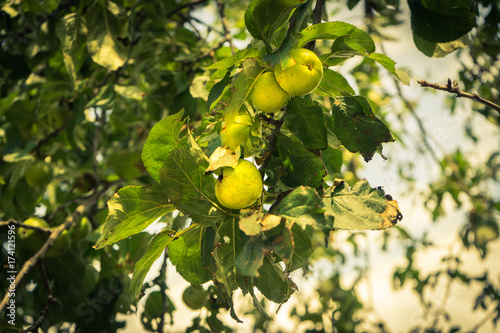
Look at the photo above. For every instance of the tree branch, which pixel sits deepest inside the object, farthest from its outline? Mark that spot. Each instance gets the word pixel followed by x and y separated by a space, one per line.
pixel 453 89
pixel 22 225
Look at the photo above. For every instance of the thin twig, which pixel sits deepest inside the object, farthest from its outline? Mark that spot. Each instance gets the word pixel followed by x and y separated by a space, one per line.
pixel 22 225
pixel 51 135
pixel 453 89
pixel 227 34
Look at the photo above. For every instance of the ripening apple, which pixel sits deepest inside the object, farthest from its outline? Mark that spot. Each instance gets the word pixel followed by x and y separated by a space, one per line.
pixel 304 76
pixel 39 174
pixel 80 230
pixel 239 187
pixel 267 95
pixel 33 239
pixel 238 133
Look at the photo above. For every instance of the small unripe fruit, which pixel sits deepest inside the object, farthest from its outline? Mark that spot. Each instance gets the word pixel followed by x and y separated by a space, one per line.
pixel 238 133
pixel 194 298
pixel 33 239
pixel 39 174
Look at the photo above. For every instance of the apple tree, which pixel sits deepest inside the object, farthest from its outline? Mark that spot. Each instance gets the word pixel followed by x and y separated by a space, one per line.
pixel 123 117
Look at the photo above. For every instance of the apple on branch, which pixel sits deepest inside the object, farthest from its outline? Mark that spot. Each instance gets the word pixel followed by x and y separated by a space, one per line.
pixel 304 76
pixel 238 134
pixel 267 95
pixel 239 187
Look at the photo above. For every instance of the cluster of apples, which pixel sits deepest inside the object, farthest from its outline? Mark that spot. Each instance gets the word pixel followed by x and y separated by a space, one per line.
pixel 241 186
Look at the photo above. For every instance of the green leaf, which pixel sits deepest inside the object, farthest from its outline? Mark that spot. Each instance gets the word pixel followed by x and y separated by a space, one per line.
pixel 192 192
pixel 218 90
pixel 333 84
pixel 333 160
pixel 265 19
pixel 185 253
pixel 294 247
pixel 162 139
pixel 440 50
pixel 347 46
pixel 357 127
pixel 68 31
pixel 303 206
pixel 229 238
pixel 302 167
pixel 302 249
pixel 443 21
pixel 251 257
pixel 273 283
pixel 243 85
pixel 102 43
pixel 389 64
pixel 333 141
pixel 131 210
pixel 333 30
pixel 235 60
pixel 361 208
pixel 306 121
pixel 155 249
pixel 104 98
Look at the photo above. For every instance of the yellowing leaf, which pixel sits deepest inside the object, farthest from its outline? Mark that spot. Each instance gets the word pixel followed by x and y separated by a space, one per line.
pixel 254 222
pixel 102 44
pixel 223 157
pixel 391 215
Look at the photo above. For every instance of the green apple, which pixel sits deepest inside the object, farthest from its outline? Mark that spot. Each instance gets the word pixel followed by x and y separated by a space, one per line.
pixel 60 246
pixel 39 174
pixel 238 133
pixel 239 187
pixel 80 230
pixel 304 76
pixel 195 298
pixel 33 239
pixel 267 95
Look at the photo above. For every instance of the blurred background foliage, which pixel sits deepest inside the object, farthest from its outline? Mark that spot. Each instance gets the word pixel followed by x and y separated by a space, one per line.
pixel 77 117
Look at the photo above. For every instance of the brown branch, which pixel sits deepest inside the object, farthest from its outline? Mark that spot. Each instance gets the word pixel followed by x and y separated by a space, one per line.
pixel 51 135
pixel 22 225
pixel 28 265
pixel 453 89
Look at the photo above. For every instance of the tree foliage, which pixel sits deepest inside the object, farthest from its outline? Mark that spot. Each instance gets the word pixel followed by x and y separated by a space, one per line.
pixel 112 115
